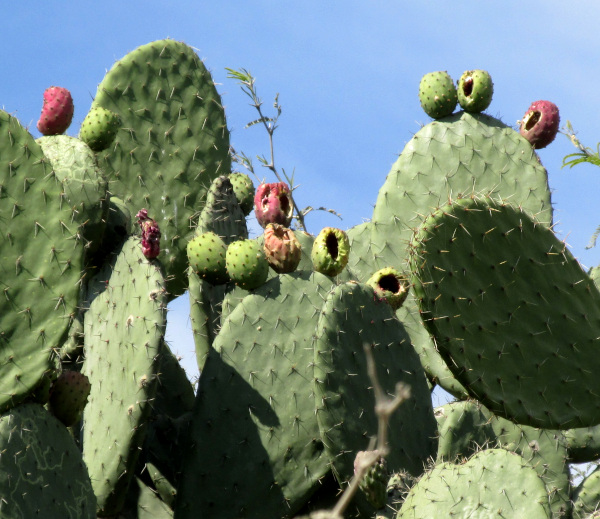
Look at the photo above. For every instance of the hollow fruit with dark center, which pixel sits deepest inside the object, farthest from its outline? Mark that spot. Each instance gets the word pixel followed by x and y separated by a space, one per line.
pixel 540 123
pixel 273 204
pixel 475 90
pixel 390 286
pixel 330 252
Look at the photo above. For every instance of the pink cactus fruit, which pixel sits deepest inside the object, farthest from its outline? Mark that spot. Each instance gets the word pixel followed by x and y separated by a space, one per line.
pixel 68 396
pixel 282 248
pixel 57 111
pixel 540 124
pixel 273 204
pixel 150 234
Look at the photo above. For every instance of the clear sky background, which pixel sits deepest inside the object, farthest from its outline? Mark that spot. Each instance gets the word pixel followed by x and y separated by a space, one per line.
pixel 347 74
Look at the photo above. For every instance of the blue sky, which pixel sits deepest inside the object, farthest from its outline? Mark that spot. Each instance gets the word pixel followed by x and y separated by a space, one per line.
pixel 347 74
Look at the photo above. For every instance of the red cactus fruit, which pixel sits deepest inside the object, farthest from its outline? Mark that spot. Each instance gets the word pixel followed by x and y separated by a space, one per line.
pixel 57 111
pixel 282 248
pixel 540 124
pixel 150 234
pixel 273 204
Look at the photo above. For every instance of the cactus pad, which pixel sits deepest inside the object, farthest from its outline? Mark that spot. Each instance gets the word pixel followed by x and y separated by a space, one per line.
pixel 173 142
pixel 124 327
pixel 513 314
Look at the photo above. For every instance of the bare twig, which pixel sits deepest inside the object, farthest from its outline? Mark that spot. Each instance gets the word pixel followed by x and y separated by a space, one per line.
pixel 384 407
pixel 246 80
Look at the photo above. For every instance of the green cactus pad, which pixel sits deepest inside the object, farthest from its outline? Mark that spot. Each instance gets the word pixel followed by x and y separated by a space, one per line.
pixel 41 470
pixel 163 452
pixel 256 408
pixel 462 155
pixel 351 317
pixel 173 142
pixel 75 166
pixel 42 252
pixel 514 315
pixel 124 327
pixel 586 497
pixel 493 483
pixel 361 262
pixel 464 428
pixel 436 369
pixel 583 444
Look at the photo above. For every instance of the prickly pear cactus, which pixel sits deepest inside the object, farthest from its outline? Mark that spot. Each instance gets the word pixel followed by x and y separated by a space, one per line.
pixel 474 489
pixel 41 470
pixel 124 328
pixel 173 142
pixel 514 315
pixel 42 250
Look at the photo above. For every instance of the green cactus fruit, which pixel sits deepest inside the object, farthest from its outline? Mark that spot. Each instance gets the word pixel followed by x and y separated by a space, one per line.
pixel 330 251
pixel 206 254
pixel 247 264
pixel 390 286
pixel 243 187
pixel 68 396
pixel 475 90
pixel 99 128
pixel 282 248
pixel 492 483
pixel 42 473
pixel 374 483
pixel 437 94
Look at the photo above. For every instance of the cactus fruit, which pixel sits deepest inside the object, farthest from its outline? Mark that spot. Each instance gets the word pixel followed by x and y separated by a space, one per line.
pixel 374 482
pixel 330 251
pixel 273 204
pixel 247 264
pixel 206 254
pixel 57 111
pixel 390 286
pixel 282 248
pixel 68 396
pixel 540 124
pixel 150 234
pixel 475 90
pixel 437 94
pixel 99 128
pixel 243 187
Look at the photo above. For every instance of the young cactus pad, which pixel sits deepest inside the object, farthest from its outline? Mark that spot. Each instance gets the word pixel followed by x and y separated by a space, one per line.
pixel 513 314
